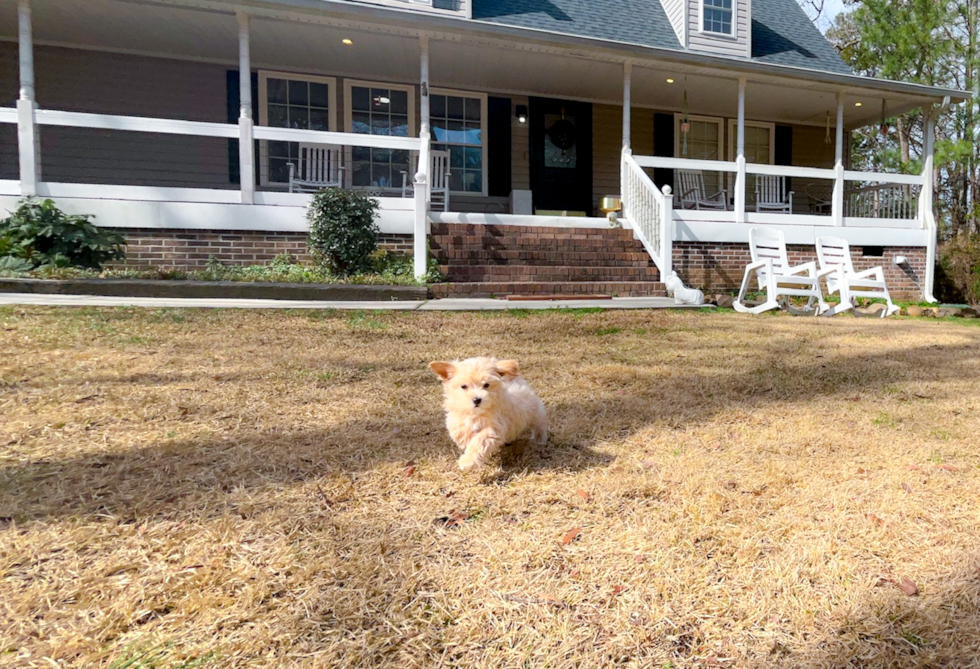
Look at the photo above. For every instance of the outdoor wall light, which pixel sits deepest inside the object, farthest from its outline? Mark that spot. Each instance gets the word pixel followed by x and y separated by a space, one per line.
pixel 348 41
pixel 521 113
pixel 858 104
pixel 670 80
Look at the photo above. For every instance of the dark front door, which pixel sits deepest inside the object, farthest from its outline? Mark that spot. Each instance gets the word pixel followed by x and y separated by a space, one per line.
pixel 561 155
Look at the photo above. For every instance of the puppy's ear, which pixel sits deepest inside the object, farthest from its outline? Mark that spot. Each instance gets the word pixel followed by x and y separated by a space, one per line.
pixel 508 369
pixel 443 369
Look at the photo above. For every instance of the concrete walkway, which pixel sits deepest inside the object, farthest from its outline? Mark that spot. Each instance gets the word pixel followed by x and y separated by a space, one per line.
pixel 424 305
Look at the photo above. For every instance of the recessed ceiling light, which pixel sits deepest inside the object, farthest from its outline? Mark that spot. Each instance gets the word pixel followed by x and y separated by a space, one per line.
pixel 669 80
pixel 858 104
pixel 348 41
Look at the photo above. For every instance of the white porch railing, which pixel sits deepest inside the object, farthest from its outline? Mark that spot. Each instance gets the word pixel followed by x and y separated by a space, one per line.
pixel 46 117
pixel 649 213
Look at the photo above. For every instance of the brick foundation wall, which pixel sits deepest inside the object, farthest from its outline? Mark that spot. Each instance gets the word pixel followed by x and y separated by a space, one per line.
pixel 720 266
pixel 190 249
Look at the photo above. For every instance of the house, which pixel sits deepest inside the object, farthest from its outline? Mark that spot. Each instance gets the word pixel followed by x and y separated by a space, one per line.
pixel 179 122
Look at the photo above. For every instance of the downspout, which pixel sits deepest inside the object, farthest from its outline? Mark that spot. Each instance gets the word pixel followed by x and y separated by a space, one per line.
pixel 926 201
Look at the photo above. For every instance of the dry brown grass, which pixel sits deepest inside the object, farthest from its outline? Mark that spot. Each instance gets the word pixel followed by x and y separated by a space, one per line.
pixel 230 487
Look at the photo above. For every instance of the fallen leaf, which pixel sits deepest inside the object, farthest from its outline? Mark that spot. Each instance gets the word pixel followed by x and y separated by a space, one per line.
pixel 914 468
pixel 875 519
pixel 639 558
pixel 617 589
pixel 861 470
pixel 907 488
pixel 326 500
pixel 409 467
pixel 581 493
pixel 650 464
pixel 453 521
pixel 85 399
pixel 948 468
pixel 571 536
pixel 908 587
pixel 856 398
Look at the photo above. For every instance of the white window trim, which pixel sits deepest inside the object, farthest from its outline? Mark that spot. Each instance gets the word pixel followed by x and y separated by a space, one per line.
pixel 733 137
pixel 413 129
pixel 732 35
pixel 263 93
pixel 483 97
pixel 717 120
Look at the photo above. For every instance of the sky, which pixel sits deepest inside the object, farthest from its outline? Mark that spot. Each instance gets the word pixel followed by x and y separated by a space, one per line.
pixel 830 11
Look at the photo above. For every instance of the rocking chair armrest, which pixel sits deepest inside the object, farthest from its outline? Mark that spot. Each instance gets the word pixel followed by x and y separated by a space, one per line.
pixel 875 272
pixel 808 267
pixel 758 264
pixel 714 196
pixel 828 270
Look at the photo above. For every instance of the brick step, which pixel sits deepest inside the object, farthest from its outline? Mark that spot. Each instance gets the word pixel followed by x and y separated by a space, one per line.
pixel 589 245
pixel 517 256
pixel 574 273
pixel 461 229
pixel 505 288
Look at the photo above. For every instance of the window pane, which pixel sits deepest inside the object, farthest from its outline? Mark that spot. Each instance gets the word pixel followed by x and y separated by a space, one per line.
pixel 399 126
pixel 380 100
pixel 473 181
pixel 319 95
pixel 362 174
pixel 278 170
pixel 455 108
pixel 456 154
pixel 399 102
pixel 437 106
pixel 456 180
pixel 400 157
pixel 381 175
pixel 299 93
pixel 474 158
pixel 299 118
pixel 276 90
pixel 380 124
pixel 360 98
pixel 278 149
pixel 380 155
pixel 472 109
pixel 361 153
pixel 361 123
pixel 278 116
pixel 319 119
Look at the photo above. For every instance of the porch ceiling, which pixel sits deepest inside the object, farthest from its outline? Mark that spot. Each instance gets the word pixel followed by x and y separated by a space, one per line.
pixel 391 52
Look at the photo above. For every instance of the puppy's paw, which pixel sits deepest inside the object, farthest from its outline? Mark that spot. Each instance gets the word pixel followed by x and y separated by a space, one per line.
pixel 468 461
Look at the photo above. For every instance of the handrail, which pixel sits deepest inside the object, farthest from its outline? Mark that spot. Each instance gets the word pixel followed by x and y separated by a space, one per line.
pixel 206 129
pixel 685 163
pixel 648 212
pixel 789 171
pixel 906 179
pixel 8 115
pixel 637 169
pixel 135 123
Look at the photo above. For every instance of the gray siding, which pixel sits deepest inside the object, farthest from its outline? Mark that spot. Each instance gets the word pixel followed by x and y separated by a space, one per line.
pixel 719 45
pixel 675 14
pixel 105 83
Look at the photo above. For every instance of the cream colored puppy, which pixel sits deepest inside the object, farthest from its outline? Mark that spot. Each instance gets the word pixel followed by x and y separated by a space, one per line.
pixel 488 404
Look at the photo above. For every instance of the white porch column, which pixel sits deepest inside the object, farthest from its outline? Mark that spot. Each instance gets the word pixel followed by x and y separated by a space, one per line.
pixel 740 155
pixel 422 197
pixel 926 204
pixel 838 199
pixel 27 131
pixel 246 143
pixel 627 110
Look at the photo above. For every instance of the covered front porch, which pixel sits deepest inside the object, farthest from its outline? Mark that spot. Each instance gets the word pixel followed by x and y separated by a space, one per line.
pixel 151 127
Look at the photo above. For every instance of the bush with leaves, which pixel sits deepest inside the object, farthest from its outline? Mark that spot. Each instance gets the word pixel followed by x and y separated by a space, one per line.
pixel 343 234
pixel 38 234
pixel 958 271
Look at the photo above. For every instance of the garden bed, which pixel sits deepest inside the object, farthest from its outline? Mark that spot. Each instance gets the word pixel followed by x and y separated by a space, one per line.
pixel 213 289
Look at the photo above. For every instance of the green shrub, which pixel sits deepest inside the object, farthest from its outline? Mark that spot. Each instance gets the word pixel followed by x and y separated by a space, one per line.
pixel 38 234
pixel 958 273
pixel 343 234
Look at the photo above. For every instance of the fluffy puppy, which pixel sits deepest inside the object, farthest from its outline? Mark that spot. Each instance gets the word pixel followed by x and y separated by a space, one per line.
pixel 488 404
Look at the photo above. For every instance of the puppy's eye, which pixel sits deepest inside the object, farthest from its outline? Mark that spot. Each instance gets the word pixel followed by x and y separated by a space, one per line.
pixel 462 387
pixel 486 385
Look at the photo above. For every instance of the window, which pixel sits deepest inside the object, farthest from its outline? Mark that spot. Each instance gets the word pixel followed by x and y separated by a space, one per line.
pixel 379 109
pixel 704 142
pixel 458 122
pixel 716 16
pixel 292 101
pixel 759 149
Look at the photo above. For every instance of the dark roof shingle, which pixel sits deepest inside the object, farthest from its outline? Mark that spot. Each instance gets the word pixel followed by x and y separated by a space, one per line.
pixel 781 32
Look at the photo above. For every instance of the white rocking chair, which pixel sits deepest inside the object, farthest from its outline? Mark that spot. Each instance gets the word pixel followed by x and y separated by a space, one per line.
pixel 319 167
pixel 693 194
pixel 834 255
pixel 439 178
pixel 771 195
pixel 780 280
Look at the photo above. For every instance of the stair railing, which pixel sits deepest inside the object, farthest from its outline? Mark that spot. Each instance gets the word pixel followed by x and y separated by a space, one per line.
pixel 649 213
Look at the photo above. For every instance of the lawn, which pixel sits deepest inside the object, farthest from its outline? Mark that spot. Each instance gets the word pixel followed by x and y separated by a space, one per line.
pixel 271 489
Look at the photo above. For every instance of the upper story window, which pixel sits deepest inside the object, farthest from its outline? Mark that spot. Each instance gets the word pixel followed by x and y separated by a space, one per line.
pixel 717 16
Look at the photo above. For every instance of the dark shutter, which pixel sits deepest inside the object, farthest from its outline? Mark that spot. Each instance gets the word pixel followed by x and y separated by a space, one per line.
pixel 234 93
pixel 784 149
pixel 663 146
pixel 500 114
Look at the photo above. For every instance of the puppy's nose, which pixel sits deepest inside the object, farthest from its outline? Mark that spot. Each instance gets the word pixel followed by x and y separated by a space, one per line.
pixel 476 401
